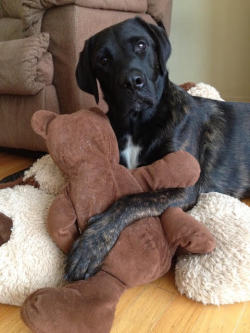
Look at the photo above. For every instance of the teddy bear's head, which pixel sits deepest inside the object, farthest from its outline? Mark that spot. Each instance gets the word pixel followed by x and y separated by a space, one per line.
pixel 73 139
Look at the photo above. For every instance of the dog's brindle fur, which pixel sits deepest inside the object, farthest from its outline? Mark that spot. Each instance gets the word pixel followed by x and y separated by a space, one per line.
pixel 157 117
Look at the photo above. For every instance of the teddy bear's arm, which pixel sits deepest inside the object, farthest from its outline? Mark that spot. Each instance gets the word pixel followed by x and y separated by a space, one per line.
pixel 62 222
pixel 183 230
pixel 178 169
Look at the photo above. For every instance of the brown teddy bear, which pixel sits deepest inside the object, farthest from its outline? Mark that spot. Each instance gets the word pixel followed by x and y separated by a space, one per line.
pixel 84 147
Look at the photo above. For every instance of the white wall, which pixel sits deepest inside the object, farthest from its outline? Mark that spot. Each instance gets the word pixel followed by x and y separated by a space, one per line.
pixel 211 43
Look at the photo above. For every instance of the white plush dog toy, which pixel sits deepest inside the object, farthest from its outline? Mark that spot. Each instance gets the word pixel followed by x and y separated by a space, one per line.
pixel 30 260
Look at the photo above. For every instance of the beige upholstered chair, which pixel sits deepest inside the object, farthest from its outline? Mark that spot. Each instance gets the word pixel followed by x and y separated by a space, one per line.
pixel 40 41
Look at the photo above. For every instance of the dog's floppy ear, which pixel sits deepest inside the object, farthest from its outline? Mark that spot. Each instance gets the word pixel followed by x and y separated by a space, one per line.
pixel 84 73
pixel 163 45
pixel 41 120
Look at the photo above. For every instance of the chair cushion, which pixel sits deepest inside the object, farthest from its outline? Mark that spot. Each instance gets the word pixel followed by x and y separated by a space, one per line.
pixel 11 8
pixel 25 65
pixel 138 6
pixel 14 8
pixel 11 28
pixel 32 11
pixel 15 114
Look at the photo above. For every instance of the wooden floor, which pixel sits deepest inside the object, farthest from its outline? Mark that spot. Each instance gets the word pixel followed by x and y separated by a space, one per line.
pixel 156 307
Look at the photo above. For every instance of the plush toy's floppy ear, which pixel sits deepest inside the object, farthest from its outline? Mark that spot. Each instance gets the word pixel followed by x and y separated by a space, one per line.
pixel 40 121
pixel 163 46
pixel 84 72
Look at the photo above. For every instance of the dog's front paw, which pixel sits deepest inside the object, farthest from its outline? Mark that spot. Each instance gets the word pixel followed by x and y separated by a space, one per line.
pixel 90 249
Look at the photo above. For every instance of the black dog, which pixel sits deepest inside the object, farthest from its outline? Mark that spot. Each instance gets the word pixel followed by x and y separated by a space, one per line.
pixel 151 118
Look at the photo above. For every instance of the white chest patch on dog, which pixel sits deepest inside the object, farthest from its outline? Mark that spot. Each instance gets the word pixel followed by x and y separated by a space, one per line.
pixel 130 153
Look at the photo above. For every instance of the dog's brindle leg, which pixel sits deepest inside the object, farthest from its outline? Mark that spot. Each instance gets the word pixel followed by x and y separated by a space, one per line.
pixel 94 244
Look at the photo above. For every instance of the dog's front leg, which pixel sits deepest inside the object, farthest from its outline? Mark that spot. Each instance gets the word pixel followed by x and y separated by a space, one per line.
pixel 90 249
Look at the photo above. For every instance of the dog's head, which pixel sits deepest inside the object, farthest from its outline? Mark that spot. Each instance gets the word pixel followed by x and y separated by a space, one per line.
pixel 129 61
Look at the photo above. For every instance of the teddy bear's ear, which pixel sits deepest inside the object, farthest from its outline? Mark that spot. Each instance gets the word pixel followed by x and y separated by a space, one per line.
pixel 40 121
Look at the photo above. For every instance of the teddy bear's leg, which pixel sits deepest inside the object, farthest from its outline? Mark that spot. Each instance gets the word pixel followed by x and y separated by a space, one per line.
pixel 5 228
pixel 140 255
pixel 185 231
pixel 80 307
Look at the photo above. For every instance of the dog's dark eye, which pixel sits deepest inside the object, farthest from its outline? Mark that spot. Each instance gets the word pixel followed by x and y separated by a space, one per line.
pixel 140 46
pixel 104 61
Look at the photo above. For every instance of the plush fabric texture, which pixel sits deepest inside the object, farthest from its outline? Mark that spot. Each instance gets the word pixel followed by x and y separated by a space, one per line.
pixel 92 311
pixel 204 90
pixel 25 65
pixel 29 259
pixel 84 147
pixel 47 174
pixel 151 244
pixel 222 277
pixel 235 287
pixel 28 209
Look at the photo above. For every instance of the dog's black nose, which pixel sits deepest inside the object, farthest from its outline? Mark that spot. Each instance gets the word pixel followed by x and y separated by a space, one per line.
pixel 134 80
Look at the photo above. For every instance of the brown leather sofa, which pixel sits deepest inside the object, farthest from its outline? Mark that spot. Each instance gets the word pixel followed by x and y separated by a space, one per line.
pixel 40 41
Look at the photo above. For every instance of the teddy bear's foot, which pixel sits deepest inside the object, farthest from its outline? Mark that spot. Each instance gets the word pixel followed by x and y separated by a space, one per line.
pixel 80 307
pixel 5 228
pixel 183 230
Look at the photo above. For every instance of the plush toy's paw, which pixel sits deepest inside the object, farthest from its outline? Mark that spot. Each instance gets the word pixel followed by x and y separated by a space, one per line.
pixel 90 249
